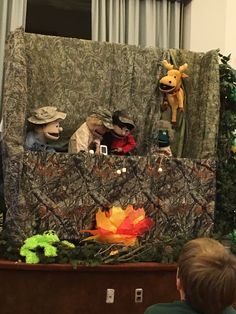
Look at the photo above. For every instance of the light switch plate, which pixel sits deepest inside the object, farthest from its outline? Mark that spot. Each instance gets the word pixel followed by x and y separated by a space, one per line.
pixel 138 296
pixel 110 297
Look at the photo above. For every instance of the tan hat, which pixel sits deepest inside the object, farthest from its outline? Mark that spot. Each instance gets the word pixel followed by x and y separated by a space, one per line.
pixel 46 115
pixel 104 115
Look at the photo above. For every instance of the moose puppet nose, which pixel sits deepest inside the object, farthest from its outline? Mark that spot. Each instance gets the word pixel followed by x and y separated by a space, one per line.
pixel 60 129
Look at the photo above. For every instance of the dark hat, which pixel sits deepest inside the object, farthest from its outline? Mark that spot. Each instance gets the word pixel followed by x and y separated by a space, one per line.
pixel 104 115
pixel 45 115
pixel 121 118
pixel 163 138
pixel 164 125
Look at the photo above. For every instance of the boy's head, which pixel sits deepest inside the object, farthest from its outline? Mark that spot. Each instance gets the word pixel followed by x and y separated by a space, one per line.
pixel 122 124
pixel 207 275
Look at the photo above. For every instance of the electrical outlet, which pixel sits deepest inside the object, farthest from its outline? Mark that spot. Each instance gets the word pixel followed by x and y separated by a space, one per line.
pixel 138 296
pixel 110 296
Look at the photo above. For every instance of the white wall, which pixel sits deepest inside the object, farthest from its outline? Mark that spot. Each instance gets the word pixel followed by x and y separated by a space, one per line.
pixel 211 24
pixel 230 35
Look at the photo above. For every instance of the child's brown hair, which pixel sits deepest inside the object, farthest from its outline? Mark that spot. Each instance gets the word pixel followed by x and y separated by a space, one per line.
pixel 207 273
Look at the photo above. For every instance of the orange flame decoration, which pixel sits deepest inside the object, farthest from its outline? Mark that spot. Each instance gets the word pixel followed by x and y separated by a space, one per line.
pixel 120 226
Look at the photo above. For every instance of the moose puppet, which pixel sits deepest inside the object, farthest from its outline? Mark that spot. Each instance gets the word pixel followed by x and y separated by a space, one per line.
pixel 170 85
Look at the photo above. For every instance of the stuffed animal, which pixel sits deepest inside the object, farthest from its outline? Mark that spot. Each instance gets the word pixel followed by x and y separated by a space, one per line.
pixel 89 135
pixel 44 126
pixel 170 85
pixel 162 138
pixel 45 241
pixel 119 140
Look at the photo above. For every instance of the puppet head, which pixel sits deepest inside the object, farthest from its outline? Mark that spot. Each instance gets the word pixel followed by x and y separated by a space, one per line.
pixel 172 81
pixel 46 122
pixel 99 122
pixel 164 134
pixel 162 138
pixel 122 124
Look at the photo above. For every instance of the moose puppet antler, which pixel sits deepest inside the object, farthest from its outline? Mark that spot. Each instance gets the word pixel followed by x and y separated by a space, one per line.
pixel 170 85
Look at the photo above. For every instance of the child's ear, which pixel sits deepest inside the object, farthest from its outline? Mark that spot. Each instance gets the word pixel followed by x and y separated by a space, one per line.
pixel 178 284
pixel 180 289
pixel 178 281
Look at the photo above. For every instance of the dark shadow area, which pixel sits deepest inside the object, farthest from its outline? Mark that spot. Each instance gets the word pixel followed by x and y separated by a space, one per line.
pixel 2 201
pixel 59 18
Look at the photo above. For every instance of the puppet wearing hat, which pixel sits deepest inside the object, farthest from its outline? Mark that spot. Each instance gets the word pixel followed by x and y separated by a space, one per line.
pixel 45 125
pixel 120 141
pixel 162 138
pixel 89 135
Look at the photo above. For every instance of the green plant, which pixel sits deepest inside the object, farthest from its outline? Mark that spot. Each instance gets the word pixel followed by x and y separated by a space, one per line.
pixel 227 84
pixel 163 250
pixel 225 214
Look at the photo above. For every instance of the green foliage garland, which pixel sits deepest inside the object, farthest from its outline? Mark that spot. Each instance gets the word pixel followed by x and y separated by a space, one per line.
pixel 164 250
pixel 225 214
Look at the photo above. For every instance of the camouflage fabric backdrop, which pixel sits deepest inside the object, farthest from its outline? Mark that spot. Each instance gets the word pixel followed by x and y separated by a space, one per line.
pixel 62 191
pixel 78 75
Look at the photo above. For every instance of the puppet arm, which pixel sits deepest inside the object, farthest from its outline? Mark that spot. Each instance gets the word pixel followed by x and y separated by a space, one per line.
pixel 130 145
pixel 79 141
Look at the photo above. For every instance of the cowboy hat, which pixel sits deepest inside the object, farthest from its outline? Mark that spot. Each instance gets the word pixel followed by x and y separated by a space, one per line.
pixel 46 115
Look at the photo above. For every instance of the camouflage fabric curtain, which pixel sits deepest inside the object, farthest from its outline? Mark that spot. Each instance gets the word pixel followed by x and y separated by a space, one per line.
pixel 63 192
pixel 78 75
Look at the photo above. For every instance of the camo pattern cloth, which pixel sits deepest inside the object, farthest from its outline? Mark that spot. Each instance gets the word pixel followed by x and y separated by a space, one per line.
pixel 63 192
pixel 77 75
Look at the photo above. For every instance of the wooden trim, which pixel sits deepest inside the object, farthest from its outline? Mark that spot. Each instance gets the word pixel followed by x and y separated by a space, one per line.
pixel 58 288
pixel 147 266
